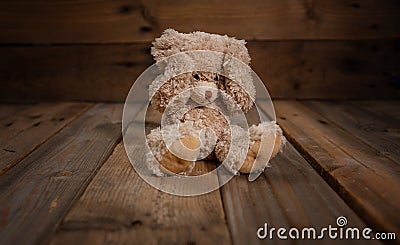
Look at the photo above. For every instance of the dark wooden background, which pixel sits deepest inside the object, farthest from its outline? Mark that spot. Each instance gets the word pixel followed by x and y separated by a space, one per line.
pixel 64 174
pixel 94 50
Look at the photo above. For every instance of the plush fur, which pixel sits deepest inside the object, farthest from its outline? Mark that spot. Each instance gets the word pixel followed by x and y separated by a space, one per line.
pixel 222 84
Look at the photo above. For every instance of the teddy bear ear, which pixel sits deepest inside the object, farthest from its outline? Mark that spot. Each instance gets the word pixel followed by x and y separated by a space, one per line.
pixel 168 44
pixel 235 48
pixel 239 82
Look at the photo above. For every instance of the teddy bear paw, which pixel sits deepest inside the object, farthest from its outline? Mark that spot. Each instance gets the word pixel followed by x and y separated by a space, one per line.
pixel 266 140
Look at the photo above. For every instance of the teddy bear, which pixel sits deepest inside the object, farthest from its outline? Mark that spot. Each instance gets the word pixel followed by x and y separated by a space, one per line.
pixel 205 78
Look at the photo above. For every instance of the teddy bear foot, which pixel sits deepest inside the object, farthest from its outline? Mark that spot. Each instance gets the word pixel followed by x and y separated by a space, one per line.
pixel 179 158
pixel 172 152
pixel 266 140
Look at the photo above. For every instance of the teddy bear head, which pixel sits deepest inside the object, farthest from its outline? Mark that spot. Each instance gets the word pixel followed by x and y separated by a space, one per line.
pixel 224 68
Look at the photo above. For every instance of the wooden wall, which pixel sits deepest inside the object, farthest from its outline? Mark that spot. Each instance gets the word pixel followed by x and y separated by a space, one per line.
pixel 94 50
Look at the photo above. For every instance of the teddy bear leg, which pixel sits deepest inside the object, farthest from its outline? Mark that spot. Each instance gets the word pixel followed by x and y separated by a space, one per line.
pixel 266 140
pixel 179 157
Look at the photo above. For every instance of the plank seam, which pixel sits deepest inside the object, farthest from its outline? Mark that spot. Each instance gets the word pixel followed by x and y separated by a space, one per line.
pixel 357 138
pixel 76 116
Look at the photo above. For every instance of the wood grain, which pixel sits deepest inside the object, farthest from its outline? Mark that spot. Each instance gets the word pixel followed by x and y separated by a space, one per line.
pixel 89 21
pixel 289 194
pixel 326 69
pixel 386 108
pixel 25 130
pixel 9 109
pixel 37 192
pixel 120 207
pixel 291 69
pixel 100 73
pixel 377 131
pixel 364 178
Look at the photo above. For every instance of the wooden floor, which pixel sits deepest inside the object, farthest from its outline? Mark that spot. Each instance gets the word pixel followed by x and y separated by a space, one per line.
pixel 65 178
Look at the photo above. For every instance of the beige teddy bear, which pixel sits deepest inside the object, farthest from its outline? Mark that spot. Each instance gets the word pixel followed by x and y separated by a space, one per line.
pixel 195 104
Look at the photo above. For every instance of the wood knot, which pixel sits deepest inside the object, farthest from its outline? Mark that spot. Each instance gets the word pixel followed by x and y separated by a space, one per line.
pixel 126 9
pixel 136 224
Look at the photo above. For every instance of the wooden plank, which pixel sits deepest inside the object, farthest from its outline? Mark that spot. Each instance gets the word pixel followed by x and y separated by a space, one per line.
pixel 99 73
pixel 374 130
pixel 37 192
pixel 120 207
pixel 326 69
pixel 386 108
pixel 363 177
pixel 9 109
pixel 91 21
pixel 25 130
pixel 289 194
pixel 292 69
